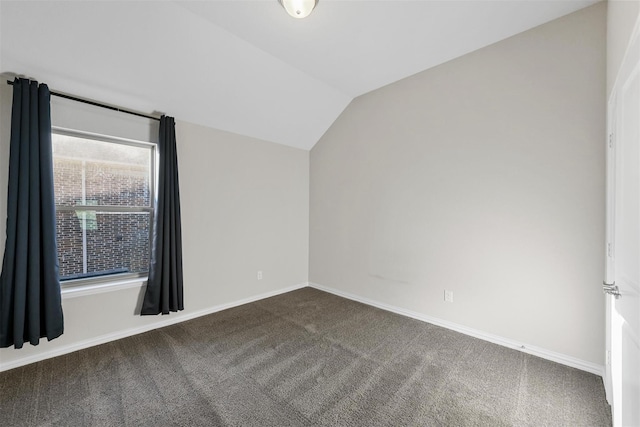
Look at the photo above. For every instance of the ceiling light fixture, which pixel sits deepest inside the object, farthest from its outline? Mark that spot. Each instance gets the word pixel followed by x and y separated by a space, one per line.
pixel 298 8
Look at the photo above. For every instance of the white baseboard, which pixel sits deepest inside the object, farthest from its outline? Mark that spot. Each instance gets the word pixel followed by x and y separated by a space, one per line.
pixel 177 318
pixel 525 348
pixel 168 320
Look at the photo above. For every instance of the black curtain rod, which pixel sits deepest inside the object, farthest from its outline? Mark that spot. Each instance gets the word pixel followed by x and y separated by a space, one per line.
pixel 97 104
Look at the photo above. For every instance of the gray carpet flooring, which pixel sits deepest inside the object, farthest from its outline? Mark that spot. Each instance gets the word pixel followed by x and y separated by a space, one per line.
pixel 305 358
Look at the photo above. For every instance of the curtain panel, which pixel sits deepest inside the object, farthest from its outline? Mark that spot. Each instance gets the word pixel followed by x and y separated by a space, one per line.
pixel 30 300
pixel 164 287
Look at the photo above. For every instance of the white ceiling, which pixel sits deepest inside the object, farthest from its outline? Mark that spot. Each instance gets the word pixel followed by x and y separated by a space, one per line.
pixel 246 66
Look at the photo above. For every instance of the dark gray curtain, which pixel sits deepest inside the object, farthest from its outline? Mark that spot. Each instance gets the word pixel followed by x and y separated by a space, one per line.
pixel 164 287
pixel 30 302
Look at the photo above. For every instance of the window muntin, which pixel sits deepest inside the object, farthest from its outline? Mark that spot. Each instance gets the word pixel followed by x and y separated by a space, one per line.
pixel 104 193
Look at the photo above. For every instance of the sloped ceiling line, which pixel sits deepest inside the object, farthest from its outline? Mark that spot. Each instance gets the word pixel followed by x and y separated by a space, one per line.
pixel 246 66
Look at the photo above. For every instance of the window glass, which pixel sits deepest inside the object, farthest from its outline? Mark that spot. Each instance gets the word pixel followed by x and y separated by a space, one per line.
pixel 92 172
pixel 104 194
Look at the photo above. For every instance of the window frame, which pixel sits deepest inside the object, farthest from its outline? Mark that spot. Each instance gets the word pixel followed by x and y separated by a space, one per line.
pixel 116 278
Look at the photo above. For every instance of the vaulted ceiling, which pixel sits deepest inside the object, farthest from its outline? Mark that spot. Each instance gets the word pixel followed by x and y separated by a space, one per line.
pixel 246 66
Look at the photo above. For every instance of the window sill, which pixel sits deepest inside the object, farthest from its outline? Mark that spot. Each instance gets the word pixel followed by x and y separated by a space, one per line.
pixel 99 288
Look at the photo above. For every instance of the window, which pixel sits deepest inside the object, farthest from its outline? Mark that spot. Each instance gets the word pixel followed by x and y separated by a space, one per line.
pixel 104 193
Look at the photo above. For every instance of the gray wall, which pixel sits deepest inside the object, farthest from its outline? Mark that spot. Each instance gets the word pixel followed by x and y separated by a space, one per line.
pixel 622 16
pixel 245 207
pixel 484 176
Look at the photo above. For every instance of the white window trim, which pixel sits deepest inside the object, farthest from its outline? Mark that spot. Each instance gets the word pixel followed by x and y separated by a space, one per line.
pixel 100 288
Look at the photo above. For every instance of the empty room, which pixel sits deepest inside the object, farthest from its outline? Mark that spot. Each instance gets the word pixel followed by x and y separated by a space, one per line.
pixel 320 213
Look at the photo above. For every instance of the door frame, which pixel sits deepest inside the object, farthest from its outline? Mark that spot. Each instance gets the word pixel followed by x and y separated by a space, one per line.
pixel 609 236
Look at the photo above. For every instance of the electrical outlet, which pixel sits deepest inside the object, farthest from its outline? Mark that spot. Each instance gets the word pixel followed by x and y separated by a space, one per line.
pixel 448 296
pixel 260 275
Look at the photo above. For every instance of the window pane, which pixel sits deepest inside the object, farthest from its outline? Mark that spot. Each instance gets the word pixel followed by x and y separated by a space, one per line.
pixel 93 243
pixel 91 172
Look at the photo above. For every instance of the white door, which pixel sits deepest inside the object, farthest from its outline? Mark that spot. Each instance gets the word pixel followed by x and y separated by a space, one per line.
pixel 623 238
